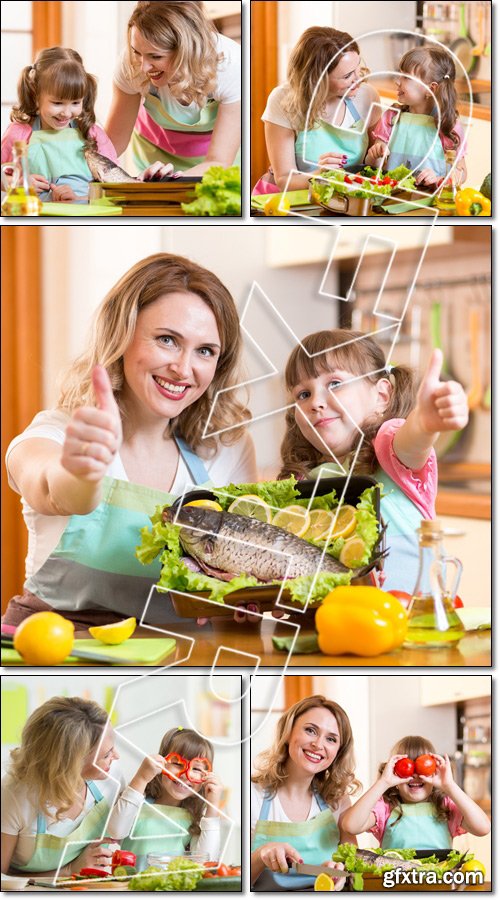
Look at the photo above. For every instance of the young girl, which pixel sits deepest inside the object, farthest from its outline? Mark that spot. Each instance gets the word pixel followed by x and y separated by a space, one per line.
pixel 55 116
pixel 301 787
pixel 421 812
pixel 351 408
pixel 179 784
pixel 427 100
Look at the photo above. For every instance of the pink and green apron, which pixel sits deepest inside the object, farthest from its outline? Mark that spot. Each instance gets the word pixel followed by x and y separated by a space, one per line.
pixel 311 144
pixel 415 143
pixel 151 833
pixel 418 828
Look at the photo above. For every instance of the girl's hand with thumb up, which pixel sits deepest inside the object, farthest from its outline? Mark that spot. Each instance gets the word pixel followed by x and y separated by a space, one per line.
pixel 441 405
pixel 94 433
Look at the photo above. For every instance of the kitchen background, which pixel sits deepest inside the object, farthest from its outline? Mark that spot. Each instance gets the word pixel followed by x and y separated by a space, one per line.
pixel 451 711
pixel 464 27
pixel 48 308
pixel 210 707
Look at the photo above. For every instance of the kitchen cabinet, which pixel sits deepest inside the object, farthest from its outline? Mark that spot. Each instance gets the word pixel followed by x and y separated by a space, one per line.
pixel 450 689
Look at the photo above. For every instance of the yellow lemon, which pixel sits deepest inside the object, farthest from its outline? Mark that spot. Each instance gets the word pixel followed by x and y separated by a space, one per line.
pixel 320 521
pixel 353 550
pixel 474 865
pixel 208 504
pixel 293 518
pixel 116 633
pixel 251 505
pixel 44 639
pixel 346 522
pixel 277 205
pixel 324 883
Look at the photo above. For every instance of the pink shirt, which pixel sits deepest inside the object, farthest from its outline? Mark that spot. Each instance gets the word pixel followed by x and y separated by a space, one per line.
pixel 419 486
pixel 383 130
pixel 382 810
pixel 17 131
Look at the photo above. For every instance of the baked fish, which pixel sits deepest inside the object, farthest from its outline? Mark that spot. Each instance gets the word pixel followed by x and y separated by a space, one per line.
pixel 104 169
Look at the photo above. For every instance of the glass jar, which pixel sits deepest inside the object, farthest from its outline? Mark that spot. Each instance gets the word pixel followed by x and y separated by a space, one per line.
pixel 162 859
pixel 447 194
pixel 21 198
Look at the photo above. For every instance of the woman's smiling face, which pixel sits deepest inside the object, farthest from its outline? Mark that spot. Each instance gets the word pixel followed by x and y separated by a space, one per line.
pixel 342 79
pixel 154 62
pixel 314 741
pixel 96 767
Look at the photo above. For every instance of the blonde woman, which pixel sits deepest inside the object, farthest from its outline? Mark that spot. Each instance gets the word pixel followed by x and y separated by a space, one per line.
pixel 58 791
pixel 177 91
pixel 321 115
pixel 127 435
pixel 300 789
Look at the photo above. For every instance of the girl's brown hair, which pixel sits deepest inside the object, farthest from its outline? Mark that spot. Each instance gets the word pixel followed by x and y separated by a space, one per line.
pixel 183 28
pixel 435 64
pixel 54 743
pixel 413 746
pixel 114 327
pixel 57 71
pixel 317 53
pixel 354 352
pixel 188 744
pixel 334 782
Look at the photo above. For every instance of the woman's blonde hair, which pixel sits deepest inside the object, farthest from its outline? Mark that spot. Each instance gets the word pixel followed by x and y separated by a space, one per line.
pixel 183 28
pixel 54 743
pixel 413 746
pixel 333 783
pixel 58 71
pixel 316 54
pixel 434 64
pixel 356 353
pixel 114 328
pixel 188 744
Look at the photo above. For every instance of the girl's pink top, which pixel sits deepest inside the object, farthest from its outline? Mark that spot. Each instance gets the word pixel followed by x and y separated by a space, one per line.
pixel 382 811
pixel 419 486
pixel 383 130
pixel 17 131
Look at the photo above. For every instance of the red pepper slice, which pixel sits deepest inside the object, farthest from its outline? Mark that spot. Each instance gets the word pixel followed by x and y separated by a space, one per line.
pixel 177 760
pixel 203 761
pixel 123 858
pixel 90 871
pixel 347 180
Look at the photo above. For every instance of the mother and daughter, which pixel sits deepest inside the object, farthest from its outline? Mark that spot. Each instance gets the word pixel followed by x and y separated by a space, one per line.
pixel 176 100
pixel 326 115
pixel 301 799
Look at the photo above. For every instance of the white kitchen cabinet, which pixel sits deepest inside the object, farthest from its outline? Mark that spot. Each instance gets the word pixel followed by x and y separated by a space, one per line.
pixel 436 690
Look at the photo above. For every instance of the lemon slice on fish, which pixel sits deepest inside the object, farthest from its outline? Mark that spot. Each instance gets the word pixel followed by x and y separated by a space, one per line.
pixel 324 883
pixel 252 506
pixel 346 522
pixel 393 854
pixel 294 519
pixel 352 552
pixel 320 521
pixel 116 633
pixel 207 504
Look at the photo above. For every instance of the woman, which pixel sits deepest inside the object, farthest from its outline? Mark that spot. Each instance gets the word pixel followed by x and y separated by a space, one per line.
pixel 59 789
pixel 321 115
pixel 300 790
pixel 127 435
pixel 177 91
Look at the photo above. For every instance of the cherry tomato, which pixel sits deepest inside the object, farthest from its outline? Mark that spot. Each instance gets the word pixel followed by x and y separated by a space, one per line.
pixel 358 179
pixel 234 871
pixel 403 597
pixel 458 602
pixel 404 767
pixel 209 875
pixel 222 871
pixel 347 180
pixel 425 765
pixel 211 865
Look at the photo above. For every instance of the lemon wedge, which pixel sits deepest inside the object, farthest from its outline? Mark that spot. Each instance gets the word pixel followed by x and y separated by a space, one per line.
pixel 293 518
pixel 320 521
pixel 207 504
pixel 353 550
pixel 116 633
pixel 324 883
pixel 251 505
pixel 346 522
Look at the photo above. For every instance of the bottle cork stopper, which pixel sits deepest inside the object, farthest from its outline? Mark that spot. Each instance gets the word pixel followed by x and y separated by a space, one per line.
pixel 430 525
pixel 20 145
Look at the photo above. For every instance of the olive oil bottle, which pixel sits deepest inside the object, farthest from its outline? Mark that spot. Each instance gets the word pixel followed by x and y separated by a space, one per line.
pixel 446 196
pixel 21 199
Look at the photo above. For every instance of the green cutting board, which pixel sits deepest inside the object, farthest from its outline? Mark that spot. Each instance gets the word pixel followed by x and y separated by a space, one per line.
pixel 146 651
pixel 79 209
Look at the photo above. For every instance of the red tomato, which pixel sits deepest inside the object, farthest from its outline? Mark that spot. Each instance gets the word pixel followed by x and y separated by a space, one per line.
pixel 403 597
pixel 235 871
pixel 222 871
pixel 358 179
pixel 211 865
pixel 425 765
pixel 123 858
pixel 404 767
pixel 347 180
pixel 458 603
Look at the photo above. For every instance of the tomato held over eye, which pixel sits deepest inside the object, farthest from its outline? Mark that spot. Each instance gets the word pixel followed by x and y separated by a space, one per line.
pixel 425 765
pixel 404 767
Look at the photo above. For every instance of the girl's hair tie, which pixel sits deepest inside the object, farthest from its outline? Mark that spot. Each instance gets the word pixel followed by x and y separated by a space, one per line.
pixel 446 76
pixel 388 369
pixel 180 728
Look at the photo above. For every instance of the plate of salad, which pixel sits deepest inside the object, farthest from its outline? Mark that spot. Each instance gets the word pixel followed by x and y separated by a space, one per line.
pixel 361 183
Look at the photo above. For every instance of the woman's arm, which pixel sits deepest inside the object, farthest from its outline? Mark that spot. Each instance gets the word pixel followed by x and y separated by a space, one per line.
pixel 226 139
pixel 9 842
pixel 121 119
pixel 280 143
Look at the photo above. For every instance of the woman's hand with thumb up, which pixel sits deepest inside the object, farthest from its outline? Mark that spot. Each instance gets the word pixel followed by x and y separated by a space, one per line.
pixel 94 433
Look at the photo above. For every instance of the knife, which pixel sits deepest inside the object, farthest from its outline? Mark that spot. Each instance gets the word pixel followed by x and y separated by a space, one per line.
pixel 84 654
pixel 306 869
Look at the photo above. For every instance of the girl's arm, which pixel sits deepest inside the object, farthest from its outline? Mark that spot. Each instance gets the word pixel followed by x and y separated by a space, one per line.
pixel 129 802
pixel 441 406
pixel 226 139
pixel 121 119
pixel 345 836
pixel 360 816
pixel 474 819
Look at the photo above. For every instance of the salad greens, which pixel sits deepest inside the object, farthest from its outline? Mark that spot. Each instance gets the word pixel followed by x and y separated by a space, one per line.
pixel 346 853
pixel 180 874
pixel 345 183
pixel 217 194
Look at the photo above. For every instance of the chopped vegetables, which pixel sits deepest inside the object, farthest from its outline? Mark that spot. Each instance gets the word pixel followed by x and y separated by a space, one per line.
pixel 366 184
pixel 180 874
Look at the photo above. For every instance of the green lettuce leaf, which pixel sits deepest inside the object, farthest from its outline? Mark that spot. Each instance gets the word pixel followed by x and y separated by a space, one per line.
pixel 218 193
pixel 324 582
pixel 275 493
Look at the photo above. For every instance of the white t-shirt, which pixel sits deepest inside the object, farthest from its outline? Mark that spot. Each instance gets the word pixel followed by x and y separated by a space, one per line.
pixel 127 808
pixel 227 89
pixel 234 463
pixel 275 113
pixel 19 815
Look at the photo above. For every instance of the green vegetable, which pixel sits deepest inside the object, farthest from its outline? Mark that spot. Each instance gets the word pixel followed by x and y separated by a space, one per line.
pixel 180 874
pixel 218 193
pixel 346 853
pixel 486 187
pixel 304 643
pixel 275 493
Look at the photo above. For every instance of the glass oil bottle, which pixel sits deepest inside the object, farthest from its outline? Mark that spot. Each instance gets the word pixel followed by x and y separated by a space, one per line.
pixel 21 198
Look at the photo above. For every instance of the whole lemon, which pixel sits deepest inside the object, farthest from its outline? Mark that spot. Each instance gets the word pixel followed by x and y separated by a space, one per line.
pixel 44 639
pixel 473 865
pixel 277 205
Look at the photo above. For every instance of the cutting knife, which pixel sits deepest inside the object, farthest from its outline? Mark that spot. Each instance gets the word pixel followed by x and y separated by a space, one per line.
pixel 85 654
pixel 306 869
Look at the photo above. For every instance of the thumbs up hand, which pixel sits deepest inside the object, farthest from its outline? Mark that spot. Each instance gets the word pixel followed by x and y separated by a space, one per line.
pixel 441 405
pixel 94 433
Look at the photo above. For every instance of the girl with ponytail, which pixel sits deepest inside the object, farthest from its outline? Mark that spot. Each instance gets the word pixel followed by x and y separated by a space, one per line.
pixel 353 413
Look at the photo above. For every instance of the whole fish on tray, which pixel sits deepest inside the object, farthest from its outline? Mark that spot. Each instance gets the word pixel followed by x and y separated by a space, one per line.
pixel 104 169
pixel 225 545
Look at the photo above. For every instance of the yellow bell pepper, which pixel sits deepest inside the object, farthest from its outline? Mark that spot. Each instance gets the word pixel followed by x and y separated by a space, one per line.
pixel 470 202
pixel 361 620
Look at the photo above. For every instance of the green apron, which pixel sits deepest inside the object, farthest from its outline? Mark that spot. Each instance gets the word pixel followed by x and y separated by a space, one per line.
pixel 59 157
pixel 414 137
pixel 153 834
pixel 315 840
pixel 50 849
pixel 353 141
pixel 418 828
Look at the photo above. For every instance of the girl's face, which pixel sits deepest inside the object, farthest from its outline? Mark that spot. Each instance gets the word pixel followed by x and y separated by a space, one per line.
pixel 410 91
pixel 342 80
pixel 314 741
pixel 98 768
pixel 415 791
pixel 173 355
pixel 177 791
pixel 154 62
pixel 328 410
pixel 56 114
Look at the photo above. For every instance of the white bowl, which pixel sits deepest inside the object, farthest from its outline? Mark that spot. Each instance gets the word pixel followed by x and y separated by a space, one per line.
pixel 13 882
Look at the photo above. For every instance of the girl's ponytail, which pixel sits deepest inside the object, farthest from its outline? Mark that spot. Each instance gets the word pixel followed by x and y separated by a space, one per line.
pixel 27 93
pixel 87 118
pixel 446 96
